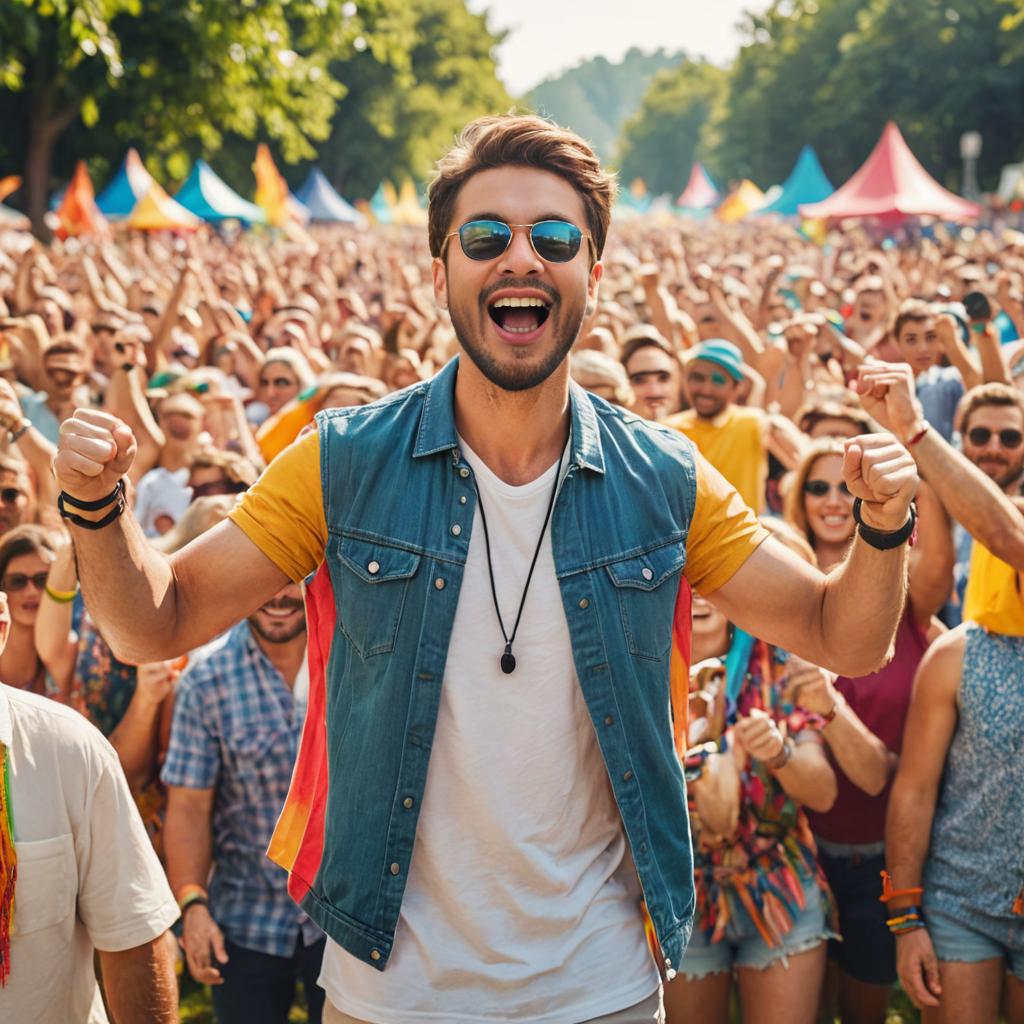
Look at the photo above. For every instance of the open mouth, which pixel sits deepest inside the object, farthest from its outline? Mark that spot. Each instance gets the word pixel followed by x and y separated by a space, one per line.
pixel 519 316
pixel 836 520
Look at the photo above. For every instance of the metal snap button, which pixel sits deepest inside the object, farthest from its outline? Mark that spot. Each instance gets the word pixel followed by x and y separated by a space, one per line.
pixel 584 602
pixel 395 869
pixel 647 573
pixel 456 529
pixel 439 583
pixel 407 803
pixel 609 720
pixel 627 776
pixel 464 473
pixel 462 499
pixel 374 954
pixel 373 568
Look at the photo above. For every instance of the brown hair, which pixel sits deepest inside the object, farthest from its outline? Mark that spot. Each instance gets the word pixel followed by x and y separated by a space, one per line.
pixel 66 344
pixel 793 506
pixel 644 336
pixel 993 393
pixel 911 311
pixel 808 417
pixel 27 539
pixel 520 140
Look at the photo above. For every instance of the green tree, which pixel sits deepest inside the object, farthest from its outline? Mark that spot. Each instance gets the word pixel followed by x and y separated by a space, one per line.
pixel 395 119
pixel 596 98
pixel 180 74
pixel 661 141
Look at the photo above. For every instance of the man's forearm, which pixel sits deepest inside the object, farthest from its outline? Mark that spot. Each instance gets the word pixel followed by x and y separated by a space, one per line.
pixel 188 844
pixel 971 498
pixel 861 610
pixel 908 826
pixel 140 985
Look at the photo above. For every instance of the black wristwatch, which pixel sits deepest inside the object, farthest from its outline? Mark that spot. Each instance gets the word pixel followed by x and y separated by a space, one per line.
pixel 885 541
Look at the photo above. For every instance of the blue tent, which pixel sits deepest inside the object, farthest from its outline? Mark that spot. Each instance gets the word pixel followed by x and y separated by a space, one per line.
pixel 806 184
pixel 127 187
pixel 210 198
pixel 379 206
pixel 323 202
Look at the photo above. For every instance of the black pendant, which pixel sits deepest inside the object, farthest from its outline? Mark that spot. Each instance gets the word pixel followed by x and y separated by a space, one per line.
pixel 508 661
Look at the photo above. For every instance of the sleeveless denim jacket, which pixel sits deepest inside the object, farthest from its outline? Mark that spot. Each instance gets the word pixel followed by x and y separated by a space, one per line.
pixel 399 504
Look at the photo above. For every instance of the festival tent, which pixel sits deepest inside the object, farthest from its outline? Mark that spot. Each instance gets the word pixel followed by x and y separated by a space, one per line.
pixel 745 198
pixel 891 185
pixel 407 210
pixel 210 198
pixel 381 203
pixel 126 188
pixel 157 211
pixel 78 213
pixel 318 195
pixel 700 192
pixel 807 183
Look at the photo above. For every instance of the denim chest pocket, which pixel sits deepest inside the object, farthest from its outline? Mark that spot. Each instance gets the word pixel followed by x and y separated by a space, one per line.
pixel 372 584
pixel 646 588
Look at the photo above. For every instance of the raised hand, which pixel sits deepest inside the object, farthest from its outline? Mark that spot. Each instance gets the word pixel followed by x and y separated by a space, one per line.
pixel 94 451
pixel 881 472
pixel 886 392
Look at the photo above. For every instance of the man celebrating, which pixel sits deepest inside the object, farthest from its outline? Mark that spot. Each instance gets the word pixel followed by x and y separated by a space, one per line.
pixel 487 784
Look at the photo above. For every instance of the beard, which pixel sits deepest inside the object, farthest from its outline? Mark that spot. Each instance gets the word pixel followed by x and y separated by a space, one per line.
pixel 520 370
pixel 275 632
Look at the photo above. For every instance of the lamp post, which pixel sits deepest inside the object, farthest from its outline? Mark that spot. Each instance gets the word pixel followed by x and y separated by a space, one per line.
pixel 970 150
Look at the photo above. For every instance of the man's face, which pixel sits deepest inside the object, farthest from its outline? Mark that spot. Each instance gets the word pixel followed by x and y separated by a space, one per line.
pixel 516 345
pixel 993 440
pixel 15 501
pixel 282 618
pixel 65 371
pixel 654 377
pixel 709 387
pixel 919 345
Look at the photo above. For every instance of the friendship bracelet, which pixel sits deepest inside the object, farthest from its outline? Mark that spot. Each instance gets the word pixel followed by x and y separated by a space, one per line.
pixel 918 436
pixel 60 596
pixel 889 893
pixel 189 894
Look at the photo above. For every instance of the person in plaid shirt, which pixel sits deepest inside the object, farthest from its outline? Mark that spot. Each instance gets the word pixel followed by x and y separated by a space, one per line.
pixel 237 721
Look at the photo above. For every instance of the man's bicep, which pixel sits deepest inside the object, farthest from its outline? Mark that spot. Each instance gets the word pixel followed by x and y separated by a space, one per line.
pixel 220 578
pixel 776 596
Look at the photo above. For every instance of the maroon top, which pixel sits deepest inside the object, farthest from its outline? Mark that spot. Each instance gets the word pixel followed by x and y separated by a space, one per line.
pixel 881 701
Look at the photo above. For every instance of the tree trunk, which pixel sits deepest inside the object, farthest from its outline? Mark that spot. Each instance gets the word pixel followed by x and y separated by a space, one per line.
pixel 37 170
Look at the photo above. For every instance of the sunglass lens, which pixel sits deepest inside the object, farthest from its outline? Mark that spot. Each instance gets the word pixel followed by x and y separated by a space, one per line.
pixel 9 495
pixel 556 241
pixel 1011 438
pixel 484 239
pixel 816 488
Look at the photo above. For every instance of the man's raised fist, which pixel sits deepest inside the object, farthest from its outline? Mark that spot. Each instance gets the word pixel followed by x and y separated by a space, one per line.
pixel 94 451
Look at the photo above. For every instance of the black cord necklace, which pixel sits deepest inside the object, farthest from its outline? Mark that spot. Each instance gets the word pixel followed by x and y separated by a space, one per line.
pixel 508 660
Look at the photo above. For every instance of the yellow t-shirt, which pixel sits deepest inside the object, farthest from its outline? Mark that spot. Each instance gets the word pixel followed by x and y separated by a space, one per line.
pixel 733 442
pixel 283 515
pixel 993 598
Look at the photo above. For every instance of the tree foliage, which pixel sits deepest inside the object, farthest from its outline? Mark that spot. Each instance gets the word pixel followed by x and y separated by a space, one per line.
pixel 597 97
pixel 660 142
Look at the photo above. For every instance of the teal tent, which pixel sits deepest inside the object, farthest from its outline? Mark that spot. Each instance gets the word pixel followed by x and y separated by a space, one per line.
pixel 806 183
pixel 127 187
pixel 318 196
pixel 209 197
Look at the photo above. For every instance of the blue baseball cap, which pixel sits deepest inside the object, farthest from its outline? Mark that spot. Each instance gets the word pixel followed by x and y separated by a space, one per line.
pixel 722 353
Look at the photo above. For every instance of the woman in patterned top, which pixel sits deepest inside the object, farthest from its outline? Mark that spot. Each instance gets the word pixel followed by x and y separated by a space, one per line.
pixel 764 911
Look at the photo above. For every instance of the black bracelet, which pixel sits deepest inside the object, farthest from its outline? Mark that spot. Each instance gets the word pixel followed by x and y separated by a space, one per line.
pixel 884 541
pixel 17 435
pixel 199 901
pixel 93 506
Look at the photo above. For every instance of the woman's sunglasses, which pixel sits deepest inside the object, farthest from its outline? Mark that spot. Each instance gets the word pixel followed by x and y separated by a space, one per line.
pixel 819 488
pixel 554 241
pixel 980 436
pixel 16 581
pixel 10 495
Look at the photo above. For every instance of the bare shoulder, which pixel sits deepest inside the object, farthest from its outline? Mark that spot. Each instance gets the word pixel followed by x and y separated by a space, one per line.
pixel 938 675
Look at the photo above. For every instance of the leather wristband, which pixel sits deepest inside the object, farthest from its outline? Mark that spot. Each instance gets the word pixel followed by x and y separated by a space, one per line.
pixel 884 541
pixel 195 901
pixel 116 495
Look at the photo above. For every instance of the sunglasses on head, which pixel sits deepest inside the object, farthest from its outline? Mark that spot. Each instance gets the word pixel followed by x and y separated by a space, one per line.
pixel 16 581
pixel 819 488
pixel 9 495
pixel 1009 438
pixel 554 241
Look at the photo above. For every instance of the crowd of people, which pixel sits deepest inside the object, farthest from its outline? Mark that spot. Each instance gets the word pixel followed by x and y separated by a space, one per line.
pixel 809 792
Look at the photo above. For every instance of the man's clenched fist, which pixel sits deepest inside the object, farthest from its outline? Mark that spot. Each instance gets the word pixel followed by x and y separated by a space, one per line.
pixel 94 451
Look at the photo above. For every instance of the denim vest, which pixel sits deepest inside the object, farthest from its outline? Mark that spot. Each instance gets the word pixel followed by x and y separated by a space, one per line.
pixel 399 503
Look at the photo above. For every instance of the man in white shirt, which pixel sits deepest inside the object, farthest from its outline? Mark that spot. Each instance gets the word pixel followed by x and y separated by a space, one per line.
pixel 87 877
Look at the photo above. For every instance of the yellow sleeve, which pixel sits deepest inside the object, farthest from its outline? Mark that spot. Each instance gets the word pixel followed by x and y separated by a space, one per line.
pixel 283 512
pixel 724 531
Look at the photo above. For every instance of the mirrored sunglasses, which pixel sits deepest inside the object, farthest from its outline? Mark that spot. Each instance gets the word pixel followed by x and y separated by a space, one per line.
pixel 554 241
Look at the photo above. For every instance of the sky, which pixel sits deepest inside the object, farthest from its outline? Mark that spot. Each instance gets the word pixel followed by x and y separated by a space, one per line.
pixel 549 36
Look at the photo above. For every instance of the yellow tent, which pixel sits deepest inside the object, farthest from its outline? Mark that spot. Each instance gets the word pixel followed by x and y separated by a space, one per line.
pixel 407 209
pixel 743 199
pixel 271 188
pixel 157 211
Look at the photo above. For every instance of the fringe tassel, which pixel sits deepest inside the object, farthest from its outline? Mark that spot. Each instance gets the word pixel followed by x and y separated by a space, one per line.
pixel 8 868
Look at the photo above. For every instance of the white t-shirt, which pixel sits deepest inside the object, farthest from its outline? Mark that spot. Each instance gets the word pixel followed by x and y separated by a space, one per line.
pixel 522 901
pixel 87 873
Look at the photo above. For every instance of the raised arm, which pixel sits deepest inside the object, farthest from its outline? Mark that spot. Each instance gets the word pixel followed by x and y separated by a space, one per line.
pixel 846 621
pixel 970 497
pixel 151 607
pixel 931 559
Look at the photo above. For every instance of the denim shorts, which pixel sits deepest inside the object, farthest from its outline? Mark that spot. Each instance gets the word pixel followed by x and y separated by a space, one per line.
pixel 955 939
pixel 742 946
